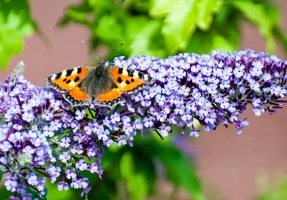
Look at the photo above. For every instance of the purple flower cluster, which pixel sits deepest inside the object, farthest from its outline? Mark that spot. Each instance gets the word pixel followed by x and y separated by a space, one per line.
pixel 212 89
pixel 42 137
pixel 36 138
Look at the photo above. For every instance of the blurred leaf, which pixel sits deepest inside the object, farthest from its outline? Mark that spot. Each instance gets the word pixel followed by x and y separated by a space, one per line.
pixel 176 164
pixel 53 192
pixel 206 10
pixel 133 172
pixel 221 43
pixel 182 18
pixel 279 193
pixel 76 13
pixel 275 192
pixel 165 27
pixel 275 16
pixel 152 47
pixel 35 194
pixel 109 31
pixel 257 14
pixel 179 23
pixel 129 174
pixel 16 23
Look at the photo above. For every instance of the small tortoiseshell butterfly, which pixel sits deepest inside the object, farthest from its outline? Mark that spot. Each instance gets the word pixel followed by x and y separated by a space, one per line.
pixel 101 85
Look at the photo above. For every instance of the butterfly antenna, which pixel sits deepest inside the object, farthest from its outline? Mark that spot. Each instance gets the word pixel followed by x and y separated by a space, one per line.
pixel 91 51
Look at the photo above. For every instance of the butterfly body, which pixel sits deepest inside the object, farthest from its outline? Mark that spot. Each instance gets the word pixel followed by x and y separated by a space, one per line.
pixel 101 85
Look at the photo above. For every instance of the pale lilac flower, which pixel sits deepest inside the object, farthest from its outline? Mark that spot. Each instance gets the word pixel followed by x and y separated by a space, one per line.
pixel 65 157
pixel 80 114
pixel 71 174
pixel 63 186
pixel 81 165
pixel 77 149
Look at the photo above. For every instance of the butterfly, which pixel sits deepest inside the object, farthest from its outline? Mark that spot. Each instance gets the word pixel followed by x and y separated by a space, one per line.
pixel 104 86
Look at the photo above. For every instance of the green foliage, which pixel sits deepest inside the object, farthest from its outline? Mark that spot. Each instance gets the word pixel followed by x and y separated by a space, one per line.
pixel 165 27
pixel 265 16
pixel 35 193
pixel 181 18
pixel 278 191
pixel 176 166
pixel 131 172
pixel 54 193
pixel 16 23
pixel 5 194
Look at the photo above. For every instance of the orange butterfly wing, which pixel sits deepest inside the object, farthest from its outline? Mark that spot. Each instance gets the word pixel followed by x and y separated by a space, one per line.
pixel 68 81
pixel 127 80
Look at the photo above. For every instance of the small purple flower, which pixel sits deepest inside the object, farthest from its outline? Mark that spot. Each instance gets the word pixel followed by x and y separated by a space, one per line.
pixel 115 118
pixel 53 171
pixel 81 165
pixel 65 157
pixel 77 149
pixel 79 114
pixel 63 186
pixel 65 142
pixel 161 116
pixel 138 124
pixel 164 130
pixel 5 146
pixel 11 183
pixel 86 191
pixel 103 134
pixel 32 179
pixel 47 115
pixel 149 122
pixel 71 174
pixel 28 116
pixel 194 132
pixel 94 168
pixel 88 129
pixel 48 131
pixel 121 142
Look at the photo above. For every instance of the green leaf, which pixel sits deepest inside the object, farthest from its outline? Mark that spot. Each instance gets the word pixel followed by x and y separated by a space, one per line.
pixel 272 190
pixel 176 164
pixel 182 17
pixel 16 23
pixel 76 13
pixel 160 8
pixel 2 170
pixel 205 42
pixel 137 183
pixel 275 15
pixel 148 41
pixel 112 33
pixel 35 194
pixel 180 172
pixel 257 14
pixel 53 192
pixel 221 43
pixel 179 24
pixel 206 10
pixel 109 30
